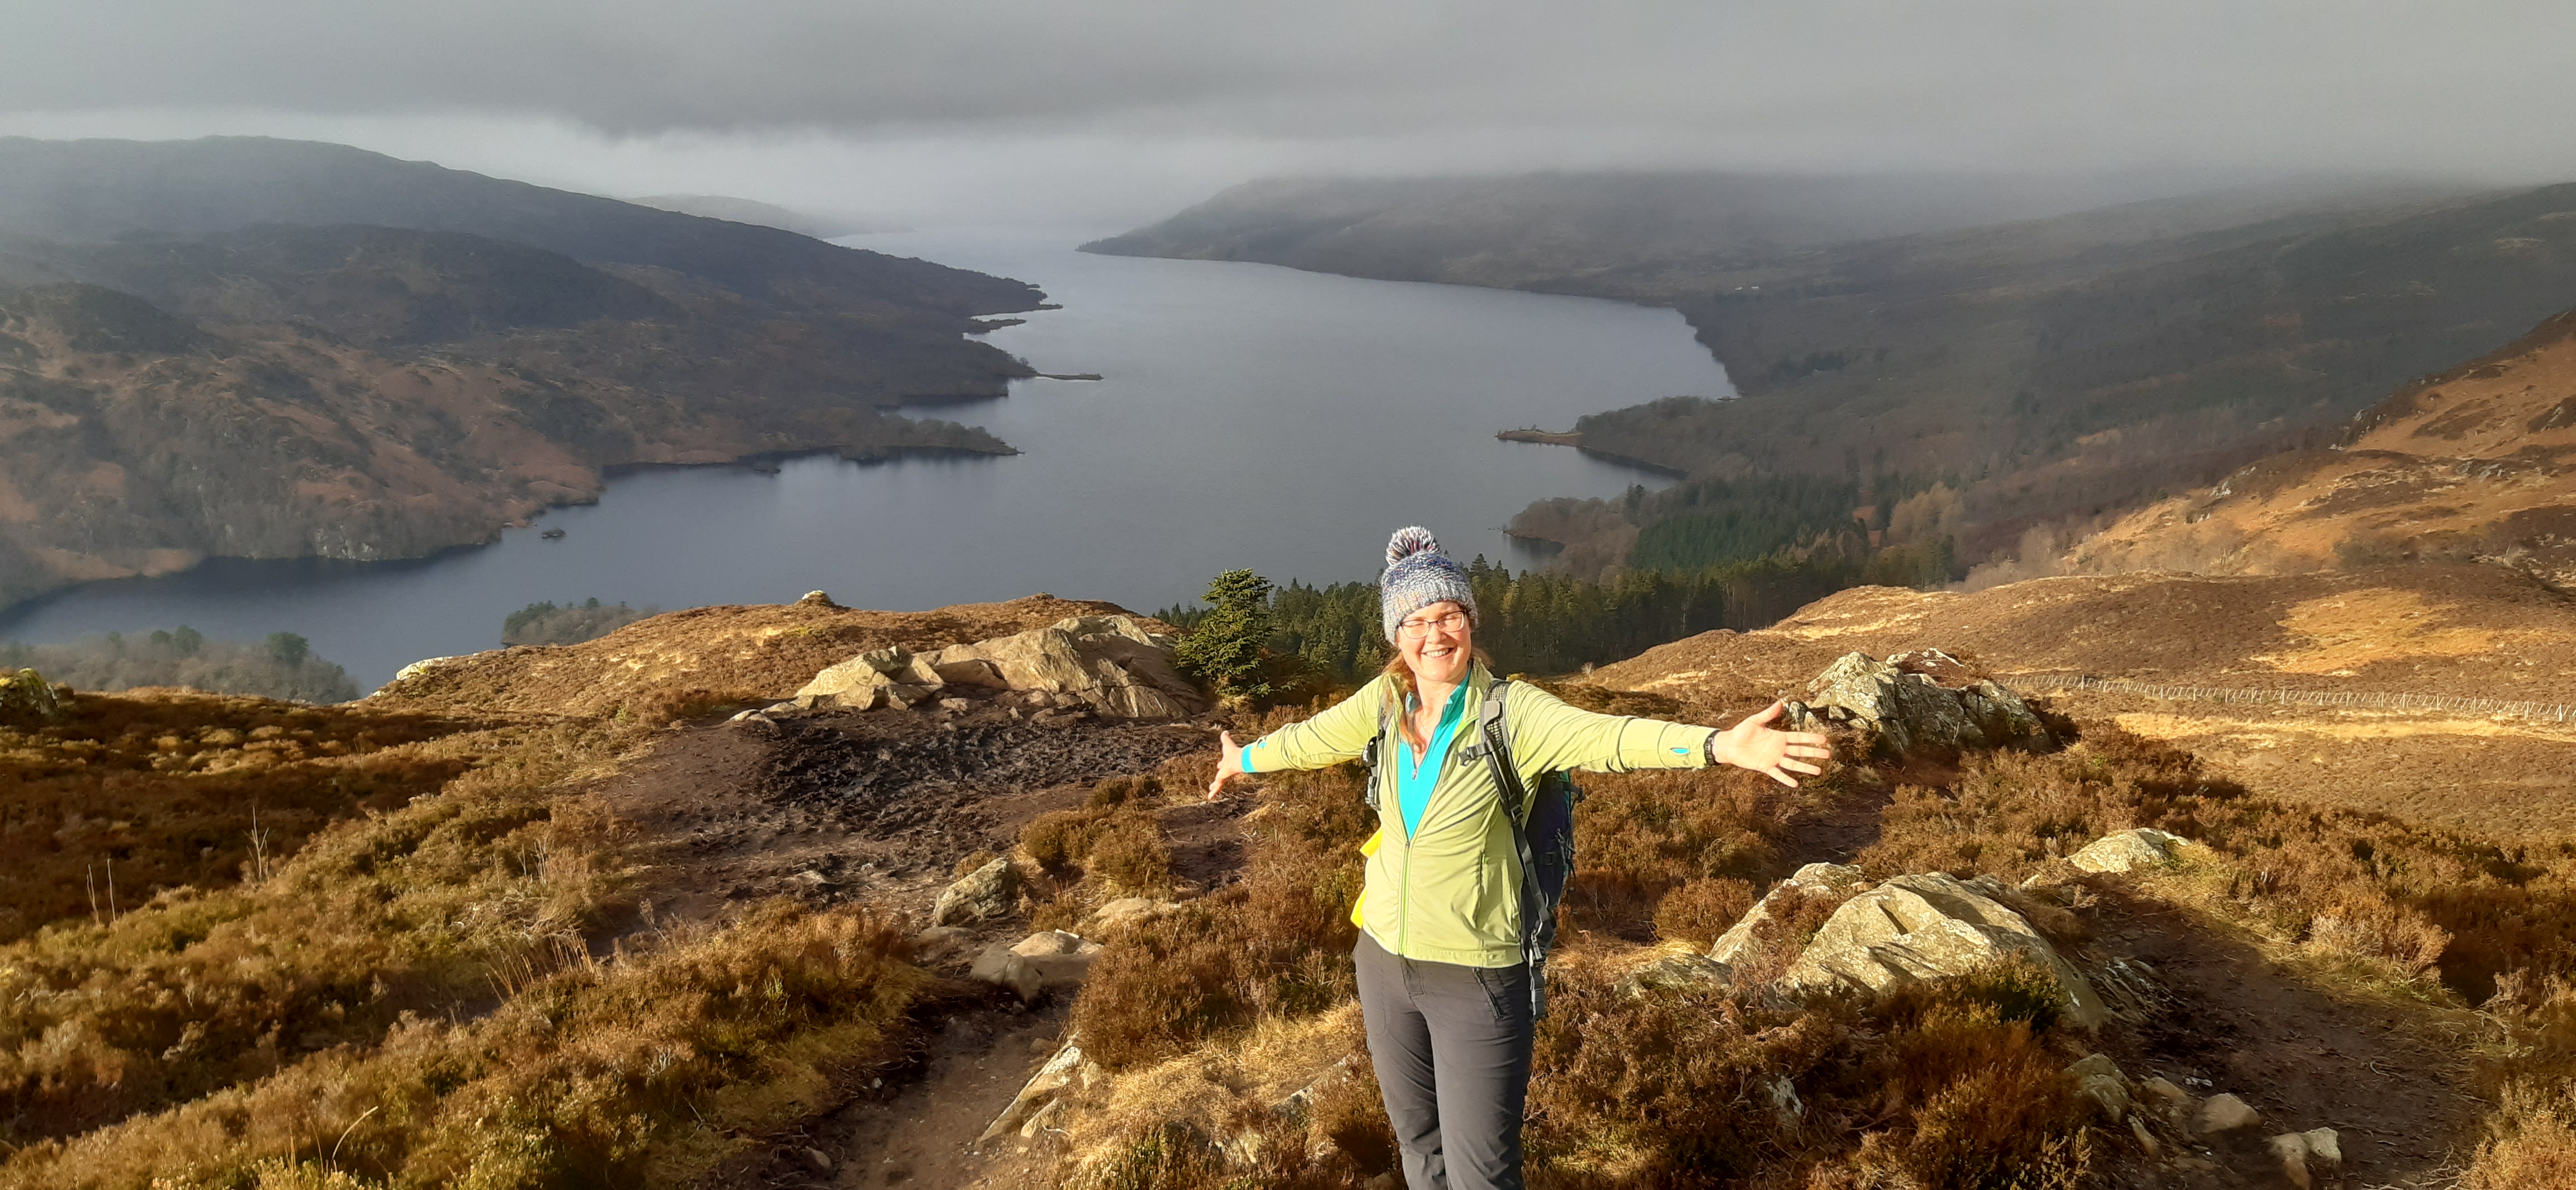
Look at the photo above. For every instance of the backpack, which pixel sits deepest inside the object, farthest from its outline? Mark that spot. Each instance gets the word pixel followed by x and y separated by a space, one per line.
pixel 1542 830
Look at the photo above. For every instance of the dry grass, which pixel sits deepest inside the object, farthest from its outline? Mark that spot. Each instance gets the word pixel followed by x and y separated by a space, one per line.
pixel 633 1072
pixel 445 990
pixel 172 789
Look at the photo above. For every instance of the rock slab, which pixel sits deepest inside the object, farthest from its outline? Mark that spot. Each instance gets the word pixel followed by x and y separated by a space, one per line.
pixel 1927 927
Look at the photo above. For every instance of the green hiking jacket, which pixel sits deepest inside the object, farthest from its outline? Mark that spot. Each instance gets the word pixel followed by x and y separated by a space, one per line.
pixel 1450 893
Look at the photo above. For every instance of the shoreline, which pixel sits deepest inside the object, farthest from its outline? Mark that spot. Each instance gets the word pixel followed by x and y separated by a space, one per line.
pixel 608 473
pixel 1574 438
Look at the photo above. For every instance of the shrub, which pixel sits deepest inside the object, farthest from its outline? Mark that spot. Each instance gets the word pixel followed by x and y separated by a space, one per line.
pixel 1638 836
pixel 1702 909
pixel 282 666
pixel 571 624
pixel 1129 854
pixel 1059 839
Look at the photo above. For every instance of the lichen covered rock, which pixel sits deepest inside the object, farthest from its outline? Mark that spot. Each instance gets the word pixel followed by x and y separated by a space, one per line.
pixel 1905 703
pixel 26 698
pixel 2129 850
pixel 1927 927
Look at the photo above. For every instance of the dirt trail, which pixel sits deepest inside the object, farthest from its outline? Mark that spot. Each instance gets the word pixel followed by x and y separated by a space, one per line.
pixel 2388 1081
pixel 879 806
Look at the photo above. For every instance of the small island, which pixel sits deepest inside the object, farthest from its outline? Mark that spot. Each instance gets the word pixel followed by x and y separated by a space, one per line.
pixel 1543 437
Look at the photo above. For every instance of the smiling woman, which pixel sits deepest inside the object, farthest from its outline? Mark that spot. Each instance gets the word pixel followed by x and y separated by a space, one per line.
pixel 1453 945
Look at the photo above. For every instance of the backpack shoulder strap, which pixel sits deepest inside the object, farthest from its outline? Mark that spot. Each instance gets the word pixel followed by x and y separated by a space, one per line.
pixel 1494 739
pixel 1375 753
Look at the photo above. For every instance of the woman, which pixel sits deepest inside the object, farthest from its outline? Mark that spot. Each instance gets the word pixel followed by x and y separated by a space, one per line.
pixel 1443 986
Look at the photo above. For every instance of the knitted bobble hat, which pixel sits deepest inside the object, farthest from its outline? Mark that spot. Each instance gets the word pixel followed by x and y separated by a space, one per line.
pixel 1419 575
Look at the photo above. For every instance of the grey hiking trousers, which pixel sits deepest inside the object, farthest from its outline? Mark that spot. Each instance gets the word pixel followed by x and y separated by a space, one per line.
pixel 1451 1045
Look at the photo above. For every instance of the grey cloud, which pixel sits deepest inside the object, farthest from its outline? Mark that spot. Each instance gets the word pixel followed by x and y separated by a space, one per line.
pixel 1514 83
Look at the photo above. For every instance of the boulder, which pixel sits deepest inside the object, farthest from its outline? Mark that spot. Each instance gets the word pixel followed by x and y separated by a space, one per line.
pixel 2227 1113
pixel 1061 960
pixel 1905 703
pixel 26 698
pixel 2122 851
pixel 1110 664
pixel 1039 963
pixel 2309 1157
pixel 1731 946
pixel 987 892
pixel 1927 927
pixel 819 600
pixel 852 683
pixel 2098 1081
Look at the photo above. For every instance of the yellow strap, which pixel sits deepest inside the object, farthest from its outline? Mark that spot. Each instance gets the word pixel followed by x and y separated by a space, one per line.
pixel 1369 848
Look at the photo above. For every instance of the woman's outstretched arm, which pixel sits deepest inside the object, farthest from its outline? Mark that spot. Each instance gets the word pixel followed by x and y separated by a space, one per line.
pixel 1340 733
pixel 1547 734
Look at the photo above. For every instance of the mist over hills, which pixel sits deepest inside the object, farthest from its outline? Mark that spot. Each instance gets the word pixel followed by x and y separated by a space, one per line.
pixel 2045 372
pixel 819 224
pixel 265 348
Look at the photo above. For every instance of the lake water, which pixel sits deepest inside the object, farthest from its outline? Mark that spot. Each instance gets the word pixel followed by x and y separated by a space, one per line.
pixel 1250 416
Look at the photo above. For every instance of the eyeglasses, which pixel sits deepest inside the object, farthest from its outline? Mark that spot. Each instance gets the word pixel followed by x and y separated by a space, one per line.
pixel 1450 622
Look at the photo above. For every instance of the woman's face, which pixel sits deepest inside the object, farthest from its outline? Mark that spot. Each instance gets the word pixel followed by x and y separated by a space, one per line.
pixel 1438 653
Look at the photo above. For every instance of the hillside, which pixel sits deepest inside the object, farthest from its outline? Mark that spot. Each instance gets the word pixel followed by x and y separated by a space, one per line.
pixel 2461 631
pixel 261 348
pixel 531 870
pixel 2471 463
pixel 2048 371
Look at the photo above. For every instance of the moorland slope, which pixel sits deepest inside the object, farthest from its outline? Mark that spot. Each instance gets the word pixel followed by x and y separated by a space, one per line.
pixel 259 348
pixel 2048 371
pixel 2471 463
pixel 561 916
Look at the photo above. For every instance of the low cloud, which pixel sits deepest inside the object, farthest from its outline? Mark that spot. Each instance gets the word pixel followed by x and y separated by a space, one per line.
pixel 1146 97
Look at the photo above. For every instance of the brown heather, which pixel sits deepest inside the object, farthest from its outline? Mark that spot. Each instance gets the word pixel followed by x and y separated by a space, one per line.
pixel 423 994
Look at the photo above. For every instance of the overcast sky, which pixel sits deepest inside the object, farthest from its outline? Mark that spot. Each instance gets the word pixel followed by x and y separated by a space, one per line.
pixel 1110 112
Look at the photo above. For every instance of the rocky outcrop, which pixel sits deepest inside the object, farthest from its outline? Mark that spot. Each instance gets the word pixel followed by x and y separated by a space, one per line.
pixel 26 698
pixel 1927 927
pixel 1109 664
pixel 1925 700
pixel 2123 851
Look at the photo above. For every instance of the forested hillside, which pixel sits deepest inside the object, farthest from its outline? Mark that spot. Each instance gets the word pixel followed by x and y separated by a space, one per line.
pixel 2042 375
pixel 259 348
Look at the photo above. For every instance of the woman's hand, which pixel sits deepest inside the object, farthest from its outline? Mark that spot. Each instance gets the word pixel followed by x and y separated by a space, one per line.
pixel 1769 751
pixel 1229 762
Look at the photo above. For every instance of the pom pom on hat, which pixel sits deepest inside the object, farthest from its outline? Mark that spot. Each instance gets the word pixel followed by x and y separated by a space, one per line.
pixel 1418 575
pixel 1408 541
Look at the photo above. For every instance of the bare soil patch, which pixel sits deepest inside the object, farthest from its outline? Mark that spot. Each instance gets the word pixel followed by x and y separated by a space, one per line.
pixel 2388 1082
pixel 860 805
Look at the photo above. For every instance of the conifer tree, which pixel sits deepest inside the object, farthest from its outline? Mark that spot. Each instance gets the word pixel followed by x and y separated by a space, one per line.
pixel 1225 650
